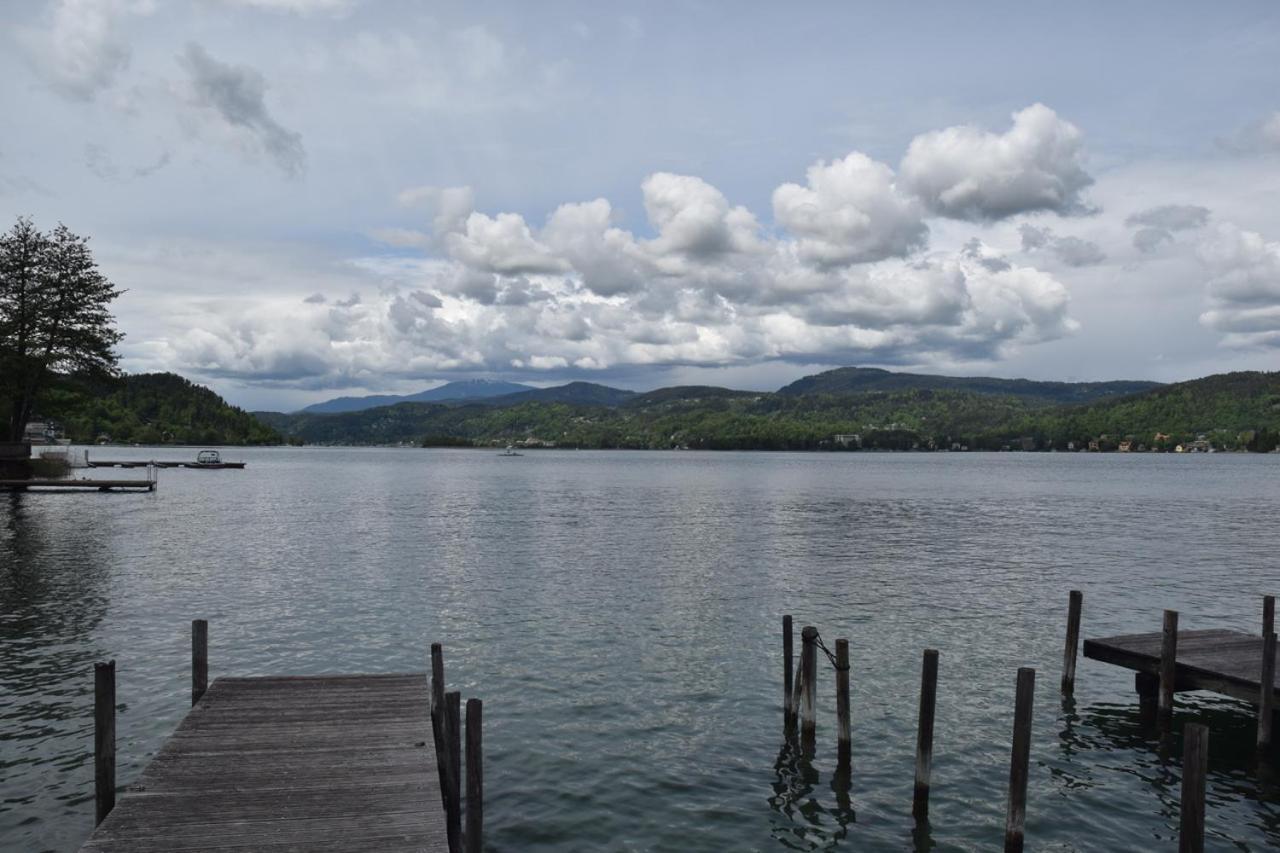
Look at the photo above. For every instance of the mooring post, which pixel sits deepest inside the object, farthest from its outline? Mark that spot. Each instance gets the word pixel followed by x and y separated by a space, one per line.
pixel 1073 641
pixel 1168 668
pixel 1268 615
pixel 453 818
pixel 1195 765
pixel 808 679
pixel 443 742
pixel 104 739
pixel 788 700
pixel 1020 761
pixel 844 749
pixel 924 733
pixel 1267 691
pixel 475 779
pixel 199 659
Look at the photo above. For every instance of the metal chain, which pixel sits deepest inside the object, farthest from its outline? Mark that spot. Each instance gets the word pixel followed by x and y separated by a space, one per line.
pixel 826 651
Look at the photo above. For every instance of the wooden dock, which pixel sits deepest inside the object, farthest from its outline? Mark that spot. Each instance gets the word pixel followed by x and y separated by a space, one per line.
pixel 161 463
pixel 1227 662
pixel 333 763
pixel 147 485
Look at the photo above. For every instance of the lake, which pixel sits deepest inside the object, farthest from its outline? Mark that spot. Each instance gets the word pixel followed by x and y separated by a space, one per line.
pixel 619 614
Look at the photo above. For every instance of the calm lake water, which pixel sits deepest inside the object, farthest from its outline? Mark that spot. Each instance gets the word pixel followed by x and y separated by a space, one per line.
pixel 619 613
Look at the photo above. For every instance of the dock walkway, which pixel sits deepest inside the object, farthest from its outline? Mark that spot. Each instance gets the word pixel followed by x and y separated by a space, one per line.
pixel 1228 662
pixel 290 763
pixel 72 484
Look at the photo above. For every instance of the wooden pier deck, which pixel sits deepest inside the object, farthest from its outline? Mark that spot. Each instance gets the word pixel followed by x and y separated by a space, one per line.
pixel 1228 662
pixel 329 763
pixel 71 484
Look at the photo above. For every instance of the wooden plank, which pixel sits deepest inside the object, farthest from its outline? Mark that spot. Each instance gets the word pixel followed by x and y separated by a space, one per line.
pixel 1228 662
pixel 289 763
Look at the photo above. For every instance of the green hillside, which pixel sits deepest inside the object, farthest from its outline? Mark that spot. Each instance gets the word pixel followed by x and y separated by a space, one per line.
pixel 857 380
pixel 1230 410
pixel 150 408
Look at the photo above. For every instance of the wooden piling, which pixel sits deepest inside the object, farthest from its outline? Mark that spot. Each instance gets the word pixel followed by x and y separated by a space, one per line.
pixel 844 750
pixel 443 743
pixel 1168 667
pixel 1195 765
pixel 437 677
pixel 788 700
pixel 453 817
pixel 808 680
pixel 475 779
pixel 104 739
pixel 1266 691
pixel 1073 642
pixel 924 733
pixel 199 659
pixel 1020 761
pixel 1268 615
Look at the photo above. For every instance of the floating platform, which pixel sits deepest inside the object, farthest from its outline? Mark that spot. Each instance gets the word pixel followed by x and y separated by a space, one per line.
pixel 148 485
pixel 334 763
pixel 1227 662
pixel 154 463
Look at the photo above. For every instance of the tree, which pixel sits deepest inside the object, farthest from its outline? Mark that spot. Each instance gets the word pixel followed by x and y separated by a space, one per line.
pixel 53 317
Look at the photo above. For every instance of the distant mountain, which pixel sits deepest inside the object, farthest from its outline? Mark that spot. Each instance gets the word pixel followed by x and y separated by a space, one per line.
pixel 687 394
pixel 468 389
pixel 577 393
pixel 859 380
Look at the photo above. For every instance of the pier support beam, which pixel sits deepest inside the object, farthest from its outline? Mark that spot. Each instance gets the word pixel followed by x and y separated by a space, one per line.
pixel 199 659
pixel 844 736
pixel 1195 765
pixel 788 664
pixel 808 683
pixel 1168 668
pixel 1267 691
pixel 924 734
pixel 475 779
pixel 104 739
pixel 1020 761
pixel 1076 599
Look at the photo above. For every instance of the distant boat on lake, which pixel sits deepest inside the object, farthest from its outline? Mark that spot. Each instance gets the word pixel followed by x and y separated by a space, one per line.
pixel 510 451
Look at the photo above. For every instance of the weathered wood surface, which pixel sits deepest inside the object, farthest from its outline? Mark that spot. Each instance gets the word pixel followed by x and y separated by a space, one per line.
pixel 290 763
pixel 1228 662
pixel 102 485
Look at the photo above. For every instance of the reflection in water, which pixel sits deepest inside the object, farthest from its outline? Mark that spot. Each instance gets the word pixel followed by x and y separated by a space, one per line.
pixel 1236 771
pixel 52 584
pixel 801 820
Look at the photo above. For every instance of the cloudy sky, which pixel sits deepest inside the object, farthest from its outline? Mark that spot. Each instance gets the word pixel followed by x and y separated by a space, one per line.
pixel 313 197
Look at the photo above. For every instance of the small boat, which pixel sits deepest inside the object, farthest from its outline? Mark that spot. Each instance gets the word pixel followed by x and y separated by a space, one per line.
pixel 212 459
pixel 510 451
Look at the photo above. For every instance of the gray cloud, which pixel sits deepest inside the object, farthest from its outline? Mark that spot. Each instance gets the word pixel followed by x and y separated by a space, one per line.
pixel 236 94
pixel 1157 224
pixel 1244 287
pixel 81 52
pixel 1072 251
pixel 967 173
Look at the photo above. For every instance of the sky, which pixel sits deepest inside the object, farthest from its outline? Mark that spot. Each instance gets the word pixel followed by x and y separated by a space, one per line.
pixel 312 198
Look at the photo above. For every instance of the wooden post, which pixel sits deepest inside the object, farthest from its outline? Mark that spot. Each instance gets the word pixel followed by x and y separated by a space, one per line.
pixel 788 700
pixel 1020 761
pixel 104 739
pixel 475 780
pixel 1073 641
pixel 1268 615
pixel 844 748
pixel 453 817
pixel 1195 765
pixel 199 659
pixel 443 743
pixel 924 734
pixel 1267 691
pixel 1168 667
pixel 808 680
pixel 1148 687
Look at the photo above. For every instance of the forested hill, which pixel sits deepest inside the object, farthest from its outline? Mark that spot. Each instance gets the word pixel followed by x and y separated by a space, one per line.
pixel 857 380
pixel 150 408
pixel 1229 410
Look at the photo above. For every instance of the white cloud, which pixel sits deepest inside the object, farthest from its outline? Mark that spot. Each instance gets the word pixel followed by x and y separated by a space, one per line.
pixel 1243 288
pixel 1156 224
pixel 967 173
pixel 850 212
pixel 694 219
pixel 82 51
pixel 1071 251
